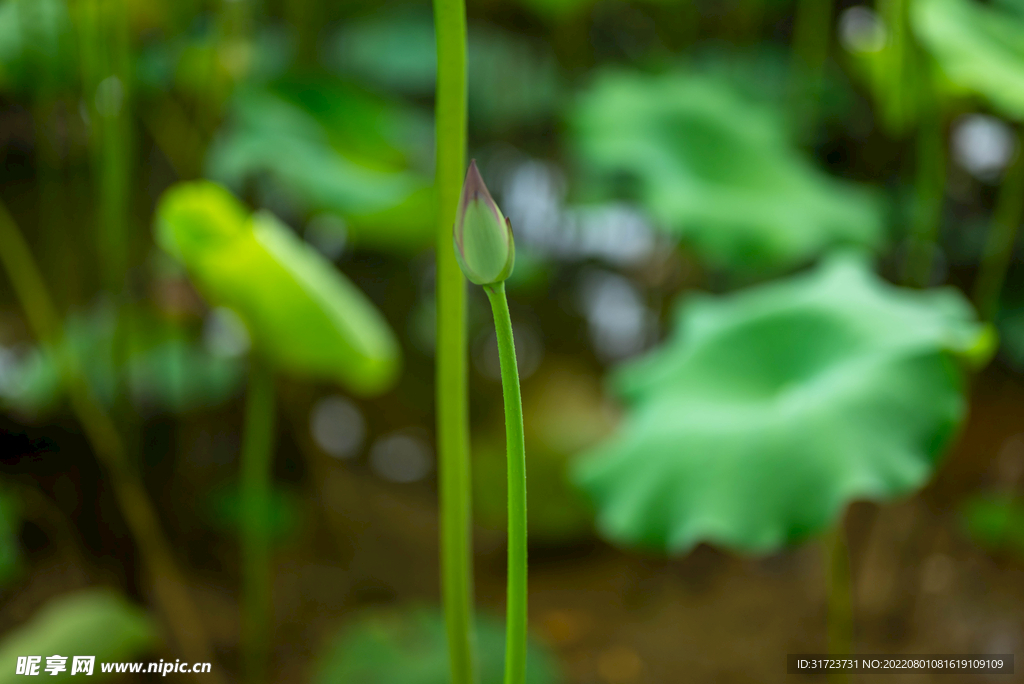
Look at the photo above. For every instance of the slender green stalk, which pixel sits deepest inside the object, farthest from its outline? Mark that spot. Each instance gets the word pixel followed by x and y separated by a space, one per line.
pixel 52 216
pixel 515 620
pixel 811 29
pixel 305 19
pixel 106 64
pixel 171 592
pixel 895 75
pixel 235 22
pixel 451 383
pixel 257 458
pixel 999 248
pixel 749 20
pixel 45 109
pixel 929 192
pixel 840 597
pixel 104 38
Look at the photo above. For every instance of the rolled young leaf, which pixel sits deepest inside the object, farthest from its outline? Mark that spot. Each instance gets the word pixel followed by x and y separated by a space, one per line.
pixel 301 313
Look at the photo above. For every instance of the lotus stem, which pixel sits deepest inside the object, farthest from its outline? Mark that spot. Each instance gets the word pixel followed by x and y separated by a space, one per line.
pixel 171 592
pixel 451 380
pixel 896 72
pixel 811 29
pixel 257 460
pixel 516 596
pixel 929 192
pixel 999 248
pixel 105 55
pixel 840 597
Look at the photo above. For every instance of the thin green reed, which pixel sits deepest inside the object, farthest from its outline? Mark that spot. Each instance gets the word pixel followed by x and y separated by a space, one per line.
pixel 929 193
pixel 170 591
pixel 840 597
pixel 897 106
pixel 257 462
pixel 1002 236
pixel 451 380
pixel 811 29
pixel 305 18
pixel 40 51
pixel 105 57
pixel 104 51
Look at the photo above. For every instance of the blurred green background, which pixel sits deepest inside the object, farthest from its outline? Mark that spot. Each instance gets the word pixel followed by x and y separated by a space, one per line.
pixel 768 286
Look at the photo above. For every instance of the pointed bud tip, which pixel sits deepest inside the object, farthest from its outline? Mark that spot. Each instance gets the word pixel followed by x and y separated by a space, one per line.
pixel 482 235
pixel 474 186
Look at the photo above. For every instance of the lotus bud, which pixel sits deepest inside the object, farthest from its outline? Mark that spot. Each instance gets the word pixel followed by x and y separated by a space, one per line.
pixel 483 236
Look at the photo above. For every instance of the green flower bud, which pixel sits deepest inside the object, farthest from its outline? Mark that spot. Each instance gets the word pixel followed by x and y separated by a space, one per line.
pixel 483 237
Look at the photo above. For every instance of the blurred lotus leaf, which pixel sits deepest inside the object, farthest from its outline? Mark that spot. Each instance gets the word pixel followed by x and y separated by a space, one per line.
pixel 771 409
pixel 96 622
pixel 979 47
pixel 410 647
pixel 10 553
pixel 763 72
pixel 324 146
pixel 511 80
pixel 203 64
pixel 716 170
pixel 162 368
pixel 282 512
pixel 995 522
pixel 36 47
pixel 299 310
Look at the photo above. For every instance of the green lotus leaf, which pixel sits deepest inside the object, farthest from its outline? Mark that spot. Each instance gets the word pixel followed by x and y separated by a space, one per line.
pixel 767 411
pixel 410 647
pixel 279 518
pixel 96 622
pixel 161 367
pixel 36 47
pixel 178 376
pixel 717 171
pixel 300 312
pixel 979 48
pixel 327 147
pixel 995 522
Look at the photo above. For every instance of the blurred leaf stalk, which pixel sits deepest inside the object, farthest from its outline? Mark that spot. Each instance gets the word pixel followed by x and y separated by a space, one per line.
pixel 106 82
pixel 103 41
pixel 171 593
